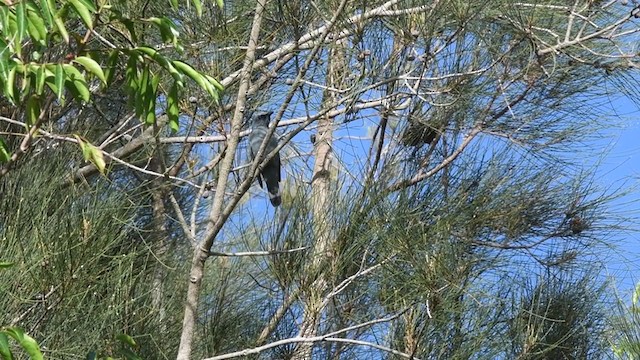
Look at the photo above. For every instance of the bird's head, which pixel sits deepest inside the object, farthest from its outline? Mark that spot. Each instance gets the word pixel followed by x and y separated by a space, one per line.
pixel 262 118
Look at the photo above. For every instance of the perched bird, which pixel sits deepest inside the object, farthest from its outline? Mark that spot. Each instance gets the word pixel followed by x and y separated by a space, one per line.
pixel 577 225
pixel 270 174
pixel 422 128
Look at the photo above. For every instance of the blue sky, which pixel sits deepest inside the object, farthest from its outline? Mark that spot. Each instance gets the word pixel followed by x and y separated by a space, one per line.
pixel 617 162
pixel 620 166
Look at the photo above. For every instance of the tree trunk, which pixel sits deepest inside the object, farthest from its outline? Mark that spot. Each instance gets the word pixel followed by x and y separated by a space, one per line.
pixel 216 220
pixel 322 193
pixel 159 231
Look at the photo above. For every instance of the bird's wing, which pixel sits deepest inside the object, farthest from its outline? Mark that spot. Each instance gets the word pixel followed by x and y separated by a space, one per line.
pixel 252 157
pixel 276 162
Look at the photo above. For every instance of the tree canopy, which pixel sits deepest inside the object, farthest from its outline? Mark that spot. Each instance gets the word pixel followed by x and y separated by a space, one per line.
pixel 432 204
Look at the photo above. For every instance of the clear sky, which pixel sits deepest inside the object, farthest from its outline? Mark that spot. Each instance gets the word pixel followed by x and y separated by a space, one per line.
pixel 620 166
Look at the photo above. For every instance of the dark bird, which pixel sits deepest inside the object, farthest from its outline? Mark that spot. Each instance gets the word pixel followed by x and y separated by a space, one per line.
pixel 422 128
pixel 270 173
pixel 417 134
pixel 577 225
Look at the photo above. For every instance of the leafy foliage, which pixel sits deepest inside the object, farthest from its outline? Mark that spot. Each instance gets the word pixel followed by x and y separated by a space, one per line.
pixel 40 62
pixel 29 345
pixel 626 339
pixel 445 216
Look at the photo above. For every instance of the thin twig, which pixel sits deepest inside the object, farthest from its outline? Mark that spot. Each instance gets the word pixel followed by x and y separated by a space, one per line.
pixel 257 253
pixel 298 339
pixel 217 216
pixel 181 220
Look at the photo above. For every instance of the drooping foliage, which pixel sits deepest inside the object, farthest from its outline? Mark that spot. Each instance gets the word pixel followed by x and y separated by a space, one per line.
pixel 435 203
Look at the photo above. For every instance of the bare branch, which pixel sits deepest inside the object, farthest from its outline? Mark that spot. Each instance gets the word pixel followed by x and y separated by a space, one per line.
pixel 215 216
pixel 181 220
pixel 294 340
pixel 426 174
pixel 257 253
pixel 370 344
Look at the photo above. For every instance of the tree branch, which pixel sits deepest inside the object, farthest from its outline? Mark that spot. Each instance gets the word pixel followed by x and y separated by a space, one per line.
pixel 313 339
pixel 214 224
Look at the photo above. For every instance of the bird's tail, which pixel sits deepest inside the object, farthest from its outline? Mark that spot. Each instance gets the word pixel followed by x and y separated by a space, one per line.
pixel 274 195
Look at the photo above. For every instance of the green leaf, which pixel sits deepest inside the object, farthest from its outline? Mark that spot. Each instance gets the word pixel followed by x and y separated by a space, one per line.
pixel 173 34
pixel 33 109
pixel 150 100
pixel 131 72
pixel 83 12
pixel 174 4
pixel 171 31
pixel 59 81
pixel 214 82
pixel 77 82
pixel 48 9
pixel 5 16
pixel 126 339
pixel 5 156
pixel 5 350
pixel 9 85
pixel 98 159
pixel 4 61
pixel 221 4
pixel 141 94
pixel 36 55
pixel 83 147
pixel 144 50
pixel 25 85
pixel 77 90
pixel 26 341
pixel 165 30
pixel 110 67
pixel 21 23
pixel 198 5
pixel 92 153
pixel 173 110
pixel 212 92
pixel 89 5
pixel 162 61
pixel 36 26
pixel 59 22
pixel 92 66
pixel 41 77
pixel 200 79
pixel 155 81
pixel 4 264
pixel 154 20
pixel 190 72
